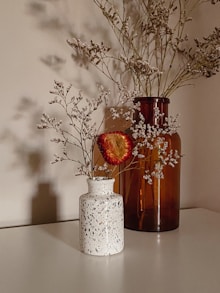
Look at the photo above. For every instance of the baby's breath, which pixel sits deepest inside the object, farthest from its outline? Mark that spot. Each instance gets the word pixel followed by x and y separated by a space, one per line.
pixel 79 132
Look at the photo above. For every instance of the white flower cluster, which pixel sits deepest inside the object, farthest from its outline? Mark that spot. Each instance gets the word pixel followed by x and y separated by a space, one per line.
pixel 77 133
pixel 151 144
pixel 141 68
pixel 88 52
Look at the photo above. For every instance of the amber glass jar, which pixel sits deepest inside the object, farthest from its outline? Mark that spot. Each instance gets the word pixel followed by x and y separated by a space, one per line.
pixel 152 207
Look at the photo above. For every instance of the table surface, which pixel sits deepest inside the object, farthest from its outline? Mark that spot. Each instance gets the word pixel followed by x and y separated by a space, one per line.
pixel 46 259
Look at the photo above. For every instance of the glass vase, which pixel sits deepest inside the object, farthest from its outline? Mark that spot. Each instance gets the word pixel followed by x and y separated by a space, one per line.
pixel 101 218
pixel 152 207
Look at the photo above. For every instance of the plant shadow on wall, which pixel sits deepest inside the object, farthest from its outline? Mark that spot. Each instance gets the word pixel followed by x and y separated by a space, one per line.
pixel 28 155
pixel 58 19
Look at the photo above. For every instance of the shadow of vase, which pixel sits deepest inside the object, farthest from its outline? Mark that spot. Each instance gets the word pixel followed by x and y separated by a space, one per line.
pixel 44 205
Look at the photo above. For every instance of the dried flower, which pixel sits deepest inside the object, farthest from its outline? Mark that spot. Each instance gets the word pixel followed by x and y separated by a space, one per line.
pixel 116 147
pixel 152 54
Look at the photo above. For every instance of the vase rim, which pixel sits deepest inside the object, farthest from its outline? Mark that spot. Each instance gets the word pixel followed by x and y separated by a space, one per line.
pixel 152 99
pixel 100 178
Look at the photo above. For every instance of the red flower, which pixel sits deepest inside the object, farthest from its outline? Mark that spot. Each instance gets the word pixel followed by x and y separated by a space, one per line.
pixel 116 147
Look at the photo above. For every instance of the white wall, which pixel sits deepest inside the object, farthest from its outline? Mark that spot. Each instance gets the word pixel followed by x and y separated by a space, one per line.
pixel 31 191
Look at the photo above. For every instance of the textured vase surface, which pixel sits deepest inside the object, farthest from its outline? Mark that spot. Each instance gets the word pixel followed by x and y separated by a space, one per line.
pixel 101 218
pixel 152 207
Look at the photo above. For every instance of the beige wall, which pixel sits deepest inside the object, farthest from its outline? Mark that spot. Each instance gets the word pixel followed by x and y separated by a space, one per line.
pixel 204 126
pixel 31 191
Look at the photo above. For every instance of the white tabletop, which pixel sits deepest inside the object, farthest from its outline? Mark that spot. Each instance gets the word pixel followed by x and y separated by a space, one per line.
pixel 46 259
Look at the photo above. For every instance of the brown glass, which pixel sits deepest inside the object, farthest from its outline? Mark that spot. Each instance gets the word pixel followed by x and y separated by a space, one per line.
pixel 152 207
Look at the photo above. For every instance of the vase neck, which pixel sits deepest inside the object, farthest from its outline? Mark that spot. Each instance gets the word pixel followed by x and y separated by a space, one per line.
pixel 148 106
pixel 100 186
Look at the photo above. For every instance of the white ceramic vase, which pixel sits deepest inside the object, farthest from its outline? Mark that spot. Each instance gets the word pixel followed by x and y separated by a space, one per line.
pixel 101 218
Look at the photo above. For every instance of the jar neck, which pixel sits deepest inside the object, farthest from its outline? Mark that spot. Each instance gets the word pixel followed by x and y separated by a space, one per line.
pixel 148 106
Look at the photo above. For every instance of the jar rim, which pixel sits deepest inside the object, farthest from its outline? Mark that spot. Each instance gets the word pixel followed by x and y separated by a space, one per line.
pixel 152 100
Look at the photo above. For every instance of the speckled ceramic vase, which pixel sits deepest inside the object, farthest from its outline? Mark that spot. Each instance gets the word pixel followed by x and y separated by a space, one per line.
pixel 101 218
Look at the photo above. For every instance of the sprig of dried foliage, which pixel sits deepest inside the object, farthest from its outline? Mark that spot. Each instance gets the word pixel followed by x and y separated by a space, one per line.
pixel 152 51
